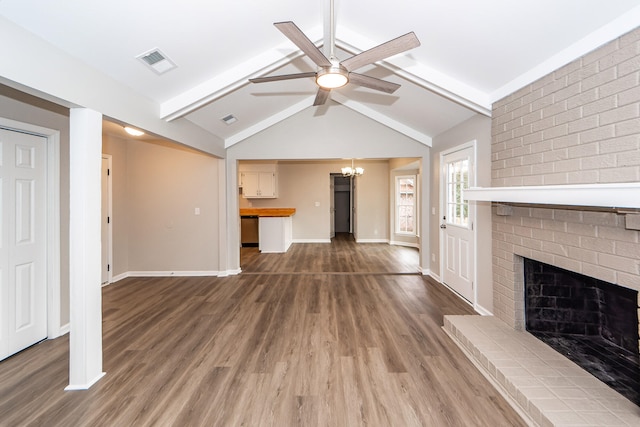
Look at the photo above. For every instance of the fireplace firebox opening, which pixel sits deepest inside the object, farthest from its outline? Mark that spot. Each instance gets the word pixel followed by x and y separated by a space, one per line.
pixel 591 322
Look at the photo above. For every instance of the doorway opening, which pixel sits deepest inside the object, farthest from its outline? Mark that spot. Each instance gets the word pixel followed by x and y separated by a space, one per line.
pixel 342 204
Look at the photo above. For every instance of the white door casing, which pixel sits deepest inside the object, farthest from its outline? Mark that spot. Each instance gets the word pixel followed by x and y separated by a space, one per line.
pixel 457 218
pixel 23 241
pixel 107 220
pixel 354 209
pixel 332 206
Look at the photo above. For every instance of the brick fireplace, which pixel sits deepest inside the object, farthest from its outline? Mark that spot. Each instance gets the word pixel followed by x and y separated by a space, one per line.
pixel 595 244
pixel 579 125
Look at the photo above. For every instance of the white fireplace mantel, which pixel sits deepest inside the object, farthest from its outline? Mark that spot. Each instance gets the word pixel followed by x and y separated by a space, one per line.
pixel 619 195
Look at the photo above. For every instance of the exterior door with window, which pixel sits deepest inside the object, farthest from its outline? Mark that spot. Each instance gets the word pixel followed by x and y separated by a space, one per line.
pixel 457 236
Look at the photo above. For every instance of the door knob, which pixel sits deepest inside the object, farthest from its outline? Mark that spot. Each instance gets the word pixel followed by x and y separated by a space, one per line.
pixel 443 226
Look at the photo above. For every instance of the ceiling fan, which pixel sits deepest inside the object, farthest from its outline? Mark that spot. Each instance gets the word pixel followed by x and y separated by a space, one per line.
pixel 333 73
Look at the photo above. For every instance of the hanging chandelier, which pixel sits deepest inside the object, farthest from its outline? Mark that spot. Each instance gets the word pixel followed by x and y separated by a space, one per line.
pixel 352 171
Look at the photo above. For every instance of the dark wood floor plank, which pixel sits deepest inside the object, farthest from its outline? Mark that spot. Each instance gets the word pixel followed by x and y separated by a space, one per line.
pixel 338 334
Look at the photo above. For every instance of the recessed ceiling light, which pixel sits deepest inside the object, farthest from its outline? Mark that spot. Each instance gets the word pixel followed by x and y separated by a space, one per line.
pixel 229 119
pixel 132 131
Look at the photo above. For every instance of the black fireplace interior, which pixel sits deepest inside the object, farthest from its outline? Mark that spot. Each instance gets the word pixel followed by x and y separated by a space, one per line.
pixel 591 322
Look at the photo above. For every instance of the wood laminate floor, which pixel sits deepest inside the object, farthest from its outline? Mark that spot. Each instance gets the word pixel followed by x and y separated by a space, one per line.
pixel 326 335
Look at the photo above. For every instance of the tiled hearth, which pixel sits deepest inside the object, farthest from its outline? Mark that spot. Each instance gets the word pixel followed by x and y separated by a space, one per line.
pixel 544 386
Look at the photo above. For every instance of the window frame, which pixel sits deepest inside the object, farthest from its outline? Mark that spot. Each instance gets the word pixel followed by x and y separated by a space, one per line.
pixel 397 205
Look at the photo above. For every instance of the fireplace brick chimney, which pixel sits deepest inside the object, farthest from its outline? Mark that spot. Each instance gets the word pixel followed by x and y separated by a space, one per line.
pixel 577 125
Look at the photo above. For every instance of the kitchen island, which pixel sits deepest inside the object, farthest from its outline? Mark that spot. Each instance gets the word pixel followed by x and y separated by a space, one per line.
pixel 275 228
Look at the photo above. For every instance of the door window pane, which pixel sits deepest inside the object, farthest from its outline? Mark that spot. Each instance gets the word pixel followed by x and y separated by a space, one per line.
pixel 457 182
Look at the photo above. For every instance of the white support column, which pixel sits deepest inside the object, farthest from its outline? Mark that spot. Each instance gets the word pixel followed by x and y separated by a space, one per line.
pixel 85 340
pixel 223 257
pixel 232 215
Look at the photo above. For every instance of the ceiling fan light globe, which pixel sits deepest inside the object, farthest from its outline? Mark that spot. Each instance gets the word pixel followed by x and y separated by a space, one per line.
pixel 332 78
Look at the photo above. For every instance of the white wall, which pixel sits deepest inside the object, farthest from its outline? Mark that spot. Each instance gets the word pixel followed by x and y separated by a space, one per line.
pixel 476 128
pixel 335 132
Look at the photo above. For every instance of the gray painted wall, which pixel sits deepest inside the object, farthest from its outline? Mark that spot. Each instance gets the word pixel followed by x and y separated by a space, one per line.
pixel 156 188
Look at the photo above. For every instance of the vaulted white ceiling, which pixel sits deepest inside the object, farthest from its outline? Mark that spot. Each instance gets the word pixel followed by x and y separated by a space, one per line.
pixel 472 53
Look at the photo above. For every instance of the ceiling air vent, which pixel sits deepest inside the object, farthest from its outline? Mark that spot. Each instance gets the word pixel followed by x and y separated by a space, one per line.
pixel 157 61
pixel 229 119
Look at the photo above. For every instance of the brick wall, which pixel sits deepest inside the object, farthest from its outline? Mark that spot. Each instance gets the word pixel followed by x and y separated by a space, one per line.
pixel 595 244
pixel 577 125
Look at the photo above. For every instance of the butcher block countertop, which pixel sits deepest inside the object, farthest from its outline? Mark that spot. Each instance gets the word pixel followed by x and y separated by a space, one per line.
pixel 267 211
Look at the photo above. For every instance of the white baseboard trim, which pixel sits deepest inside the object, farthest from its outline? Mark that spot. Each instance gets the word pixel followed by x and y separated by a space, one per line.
pixel 311 240
pixel 407 244
pixel 52 334
pixel 64 329
pixel 454 292
pixel 372 241
pixel 87 386
pixel 117 278
pixel 227 273
pixel 435 276
pixel 481 310
pixel 170 274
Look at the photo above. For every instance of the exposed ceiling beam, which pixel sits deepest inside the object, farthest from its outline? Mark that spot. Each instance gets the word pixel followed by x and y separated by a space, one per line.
pixel 403 65
pixel 422 75
pixel 233 79
pixel 270 121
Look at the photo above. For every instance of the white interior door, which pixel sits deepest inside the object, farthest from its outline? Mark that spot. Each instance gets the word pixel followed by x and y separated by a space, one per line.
pixel 106 219
pixel 23 244
pixel 457 237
